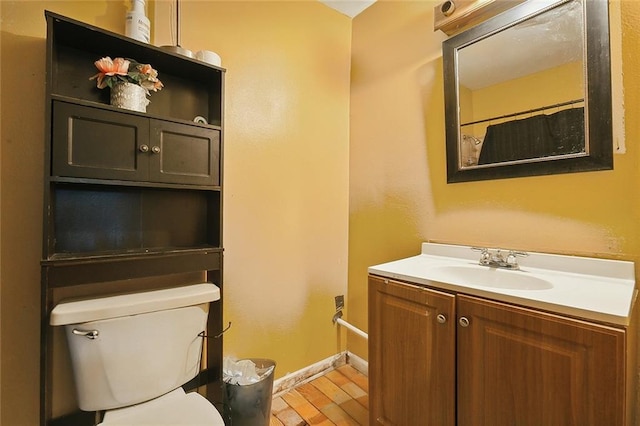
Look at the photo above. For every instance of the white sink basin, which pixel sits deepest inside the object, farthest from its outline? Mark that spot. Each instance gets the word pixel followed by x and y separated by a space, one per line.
pixel 484 276
pixel 590 288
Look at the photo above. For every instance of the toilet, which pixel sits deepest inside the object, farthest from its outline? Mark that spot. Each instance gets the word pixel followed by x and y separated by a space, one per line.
pixel 131 354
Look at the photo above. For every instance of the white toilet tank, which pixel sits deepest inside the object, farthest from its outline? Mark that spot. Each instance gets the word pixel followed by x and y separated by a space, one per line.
pixel 131 348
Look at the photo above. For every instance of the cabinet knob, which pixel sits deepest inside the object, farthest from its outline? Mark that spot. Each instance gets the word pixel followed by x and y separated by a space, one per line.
pixel 463 321
pixel 155 149
pixel 441 318
pixel 144 148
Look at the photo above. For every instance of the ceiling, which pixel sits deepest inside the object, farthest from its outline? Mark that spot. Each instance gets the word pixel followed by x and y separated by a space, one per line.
pixel 351 8
pixel 552 38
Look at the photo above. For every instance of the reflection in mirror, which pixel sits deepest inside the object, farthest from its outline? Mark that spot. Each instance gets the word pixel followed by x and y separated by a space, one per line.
pixel 524 93
pixel 548 79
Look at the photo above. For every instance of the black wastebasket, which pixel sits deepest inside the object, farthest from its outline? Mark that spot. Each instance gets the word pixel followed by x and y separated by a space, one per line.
pixel 250 405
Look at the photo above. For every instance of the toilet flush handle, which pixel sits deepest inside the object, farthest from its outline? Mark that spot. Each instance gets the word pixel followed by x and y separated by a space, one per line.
pixel 89 334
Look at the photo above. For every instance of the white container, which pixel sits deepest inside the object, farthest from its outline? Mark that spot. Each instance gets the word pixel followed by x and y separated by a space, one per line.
pixel 137 25
pixel 209 57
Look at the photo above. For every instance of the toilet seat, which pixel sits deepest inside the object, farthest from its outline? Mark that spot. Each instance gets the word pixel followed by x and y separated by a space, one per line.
pixel 173 408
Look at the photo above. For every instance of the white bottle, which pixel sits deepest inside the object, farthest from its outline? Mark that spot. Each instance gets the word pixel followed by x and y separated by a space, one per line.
pixel 137 25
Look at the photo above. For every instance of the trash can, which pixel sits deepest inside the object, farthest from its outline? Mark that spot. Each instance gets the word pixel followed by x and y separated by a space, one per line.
pixel 250 404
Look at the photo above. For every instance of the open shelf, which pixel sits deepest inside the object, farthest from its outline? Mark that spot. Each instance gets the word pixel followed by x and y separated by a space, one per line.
pixel 191 87
pixel 89 219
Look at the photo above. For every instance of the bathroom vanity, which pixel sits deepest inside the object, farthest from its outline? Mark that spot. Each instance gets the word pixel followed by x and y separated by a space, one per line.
pixel 550 342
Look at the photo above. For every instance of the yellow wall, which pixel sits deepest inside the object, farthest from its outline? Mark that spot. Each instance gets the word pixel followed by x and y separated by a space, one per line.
pixel 558 84
pixel 286 171
pixel 316 168
pixel 398 191
pixel 548 87
pixel 286 175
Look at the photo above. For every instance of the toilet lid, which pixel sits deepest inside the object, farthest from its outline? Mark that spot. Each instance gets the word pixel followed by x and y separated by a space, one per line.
pixel 174 408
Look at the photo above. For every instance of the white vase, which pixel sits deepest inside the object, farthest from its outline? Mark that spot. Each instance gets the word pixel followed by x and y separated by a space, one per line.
pixel 129 96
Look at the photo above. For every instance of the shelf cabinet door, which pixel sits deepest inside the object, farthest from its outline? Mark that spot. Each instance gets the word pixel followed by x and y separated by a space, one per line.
pixel 184 154
pixel 96 143
pixel 101 144
pixel 411 355
pixel 522 367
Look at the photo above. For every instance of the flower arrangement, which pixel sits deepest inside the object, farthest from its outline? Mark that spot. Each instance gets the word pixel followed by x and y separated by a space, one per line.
pixel 113 71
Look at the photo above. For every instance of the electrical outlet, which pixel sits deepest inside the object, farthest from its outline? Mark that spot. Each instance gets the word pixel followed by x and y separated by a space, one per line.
pixel 339 302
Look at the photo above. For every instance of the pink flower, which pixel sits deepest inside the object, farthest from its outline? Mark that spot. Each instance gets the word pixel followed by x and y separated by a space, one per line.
pixel 149 78
pixel 147 69
pixel 119 70
pixel 109 67
pixel 154 84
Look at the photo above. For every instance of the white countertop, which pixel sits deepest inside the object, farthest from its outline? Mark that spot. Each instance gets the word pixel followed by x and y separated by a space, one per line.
pixel 596 289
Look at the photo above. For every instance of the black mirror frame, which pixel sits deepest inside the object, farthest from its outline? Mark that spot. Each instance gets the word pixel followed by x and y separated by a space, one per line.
pixel 598 107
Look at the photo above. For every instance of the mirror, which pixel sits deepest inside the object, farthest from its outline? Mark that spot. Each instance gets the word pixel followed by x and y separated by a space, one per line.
pixel 528 92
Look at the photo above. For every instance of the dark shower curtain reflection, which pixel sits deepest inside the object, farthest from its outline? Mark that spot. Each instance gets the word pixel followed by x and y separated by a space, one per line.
pixel 534 137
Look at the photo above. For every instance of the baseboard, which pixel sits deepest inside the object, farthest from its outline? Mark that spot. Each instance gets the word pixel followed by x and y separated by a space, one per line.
pixel 358 363
pixel 311 372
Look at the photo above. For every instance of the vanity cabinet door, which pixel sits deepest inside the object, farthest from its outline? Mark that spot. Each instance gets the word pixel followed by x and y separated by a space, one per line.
pixel 411 355
pixel 521 367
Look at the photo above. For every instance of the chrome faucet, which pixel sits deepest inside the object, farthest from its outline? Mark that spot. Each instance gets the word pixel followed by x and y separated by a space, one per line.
pixel 495 259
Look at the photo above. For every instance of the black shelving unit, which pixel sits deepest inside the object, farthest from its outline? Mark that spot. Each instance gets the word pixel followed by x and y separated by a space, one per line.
pixel 128 196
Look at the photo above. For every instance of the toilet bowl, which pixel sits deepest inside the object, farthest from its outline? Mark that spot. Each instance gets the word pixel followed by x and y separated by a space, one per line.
pixel 174 408
pixel 132 353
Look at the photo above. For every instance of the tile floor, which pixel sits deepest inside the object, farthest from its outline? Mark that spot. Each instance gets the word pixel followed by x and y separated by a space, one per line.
pixel 339 397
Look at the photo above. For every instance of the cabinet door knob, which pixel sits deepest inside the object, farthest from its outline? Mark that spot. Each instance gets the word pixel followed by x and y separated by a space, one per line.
pixel 144 148
pixel 155 149
pixel 441 318
pixel 464 321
